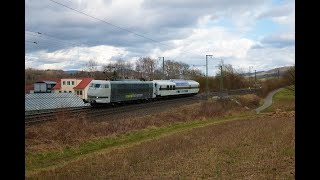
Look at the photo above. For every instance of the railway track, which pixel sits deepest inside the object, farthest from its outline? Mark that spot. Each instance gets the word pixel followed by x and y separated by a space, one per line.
pixel 98 112
pixel 145 106
pixel 34 118
pixel 40 116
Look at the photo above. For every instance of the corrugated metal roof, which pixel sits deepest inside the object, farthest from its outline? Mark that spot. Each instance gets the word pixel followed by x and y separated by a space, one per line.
pixel 44 101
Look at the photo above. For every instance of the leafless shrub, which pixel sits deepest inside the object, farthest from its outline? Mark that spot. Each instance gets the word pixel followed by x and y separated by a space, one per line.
pixel 249 100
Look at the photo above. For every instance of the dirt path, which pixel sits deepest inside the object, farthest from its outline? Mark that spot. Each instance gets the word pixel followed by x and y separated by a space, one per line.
pixel 268 101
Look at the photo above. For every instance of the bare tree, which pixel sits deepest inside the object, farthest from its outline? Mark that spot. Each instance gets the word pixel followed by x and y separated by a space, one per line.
pixel 91 67
pixel 289 78
pixel 231 78
pixel 118 69
pixel 146 67
pixel 175 69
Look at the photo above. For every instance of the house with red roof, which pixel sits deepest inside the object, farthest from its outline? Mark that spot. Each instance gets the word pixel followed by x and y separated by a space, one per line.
pixel 78 86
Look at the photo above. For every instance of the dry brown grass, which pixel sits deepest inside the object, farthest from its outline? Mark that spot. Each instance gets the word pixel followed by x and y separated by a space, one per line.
pixel 74 131
pixel 249 100
pixel 261 148
pixel 282 106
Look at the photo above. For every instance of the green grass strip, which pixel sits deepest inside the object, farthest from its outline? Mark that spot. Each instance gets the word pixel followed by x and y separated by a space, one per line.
pixel 285 95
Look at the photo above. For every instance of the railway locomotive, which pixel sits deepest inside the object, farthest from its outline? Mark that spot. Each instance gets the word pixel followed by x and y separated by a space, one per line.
pixel 122 91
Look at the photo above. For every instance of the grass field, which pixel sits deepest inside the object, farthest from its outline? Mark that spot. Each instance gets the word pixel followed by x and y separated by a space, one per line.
pixel 208 140
pixel 254 148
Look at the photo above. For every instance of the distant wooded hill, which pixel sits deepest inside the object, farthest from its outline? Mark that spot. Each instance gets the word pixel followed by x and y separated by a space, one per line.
pixel 269 73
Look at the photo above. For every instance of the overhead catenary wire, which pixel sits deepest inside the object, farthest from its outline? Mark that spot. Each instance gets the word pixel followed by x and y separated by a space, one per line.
pixel 47 37
pixel 104 21
pixel 38 34
pixel 33 42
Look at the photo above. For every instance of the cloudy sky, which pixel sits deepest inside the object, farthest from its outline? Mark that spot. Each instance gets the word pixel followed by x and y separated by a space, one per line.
pixel 243 33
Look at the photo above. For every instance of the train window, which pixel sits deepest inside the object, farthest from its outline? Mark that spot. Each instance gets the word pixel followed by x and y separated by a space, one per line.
pixel 168 87
pixel 97 85
pixel 174 87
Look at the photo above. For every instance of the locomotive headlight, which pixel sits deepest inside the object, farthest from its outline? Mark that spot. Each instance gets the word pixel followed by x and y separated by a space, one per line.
pixel 97 97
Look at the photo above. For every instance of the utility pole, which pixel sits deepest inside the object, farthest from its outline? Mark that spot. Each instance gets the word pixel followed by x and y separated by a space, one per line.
pixel 164 77
pixel 255 79
pixel 221 80
pixel 255 75
pixel 207 87
pixel 250 75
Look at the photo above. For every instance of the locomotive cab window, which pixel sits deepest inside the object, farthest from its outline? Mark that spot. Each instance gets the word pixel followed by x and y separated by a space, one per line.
pixel 97 85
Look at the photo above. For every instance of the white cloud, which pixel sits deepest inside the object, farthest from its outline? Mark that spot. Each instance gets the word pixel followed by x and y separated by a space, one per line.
pixel 186 26
pixel 76 56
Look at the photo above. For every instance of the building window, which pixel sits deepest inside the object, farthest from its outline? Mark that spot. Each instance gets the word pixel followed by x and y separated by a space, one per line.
pixel 77 92
pixel 59 91
pixel 70 92
pixel 80 92
pixel 72 82
pixel 64 91
pixel 68 82
pixel 64 83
